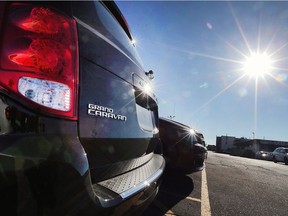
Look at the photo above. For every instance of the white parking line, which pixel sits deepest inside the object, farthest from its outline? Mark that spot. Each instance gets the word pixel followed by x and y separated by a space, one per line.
pixel 169 213
pixel 193 199
pixel 205 204
pixel 163 208
pixel 178 195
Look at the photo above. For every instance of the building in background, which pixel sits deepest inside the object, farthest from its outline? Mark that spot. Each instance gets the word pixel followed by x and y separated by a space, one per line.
pixel 246 147
pixel 224 143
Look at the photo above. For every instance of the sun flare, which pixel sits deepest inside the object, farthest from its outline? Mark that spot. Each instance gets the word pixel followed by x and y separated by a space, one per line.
pixel 257 64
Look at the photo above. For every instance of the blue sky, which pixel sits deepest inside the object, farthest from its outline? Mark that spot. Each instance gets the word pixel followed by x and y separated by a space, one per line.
pixel 197 50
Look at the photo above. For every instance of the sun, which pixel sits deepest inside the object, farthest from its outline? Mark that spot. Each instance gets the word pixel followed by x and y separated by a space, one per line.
pixel 257 65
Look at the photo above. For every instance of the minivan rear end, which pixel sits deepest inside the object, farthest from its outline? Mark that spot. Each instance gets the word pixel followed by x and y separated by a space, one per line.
pixel 78 120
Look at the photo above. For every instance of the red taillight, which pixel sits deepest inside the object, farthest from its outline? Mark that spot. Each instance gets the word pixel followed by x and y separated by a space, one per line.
pixel 39 58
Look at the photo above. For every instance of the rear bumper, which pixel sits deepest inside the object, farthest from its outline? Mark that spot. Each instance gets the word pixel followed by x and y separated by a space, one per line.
pixel 33 186
pixel 124 186
pixel 200 155
pixel 187 160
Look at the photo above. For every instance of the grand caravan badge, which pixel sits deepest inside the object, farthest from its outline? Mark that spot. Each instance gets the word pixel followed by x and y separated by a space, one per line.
pixel 106 112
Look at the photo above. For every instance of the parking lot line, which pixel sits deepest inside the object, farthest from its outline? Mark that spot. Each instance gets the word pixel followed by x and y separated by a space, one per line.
pixel 163 208
pixel 193 199
pixel 179 195
pixel 205 204
pixel 169 213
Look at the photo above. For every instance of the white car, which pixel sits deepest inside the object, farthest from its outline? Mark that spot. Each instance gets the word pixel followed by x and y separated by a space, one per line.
pixel 280 154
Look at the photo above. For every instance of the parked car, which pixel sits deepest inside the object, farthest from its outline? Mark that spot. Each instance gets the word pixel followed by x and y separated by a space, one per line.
pixel 183 148
pixel 264 155
pixel 199 137
pixel 78 124
pixel 280 154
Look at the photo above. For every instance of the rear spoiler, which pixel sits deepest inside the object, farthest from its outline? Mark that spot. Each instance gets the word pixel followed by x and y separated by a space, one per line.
pixel 113 8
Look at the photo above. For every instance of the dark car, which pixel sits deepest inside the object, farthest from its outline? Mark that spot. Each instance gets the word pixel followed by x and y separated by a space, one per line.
pixel 199 137
pixel 78 125
pixel 183 148
pixel 280 154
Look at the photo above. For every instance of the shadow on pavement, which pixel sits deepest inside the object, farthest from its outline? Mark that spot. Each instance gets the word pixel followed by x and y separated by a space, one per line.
pixel 174 188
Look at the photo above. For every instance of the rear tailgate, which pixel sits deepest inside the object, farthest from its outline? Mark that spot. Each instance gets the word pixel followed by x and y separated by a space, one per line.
pixel 116 117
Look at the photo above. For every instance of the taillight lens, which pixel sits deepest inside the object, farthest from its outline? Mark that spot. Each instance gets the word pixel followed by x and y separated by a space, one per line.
pixel 39 58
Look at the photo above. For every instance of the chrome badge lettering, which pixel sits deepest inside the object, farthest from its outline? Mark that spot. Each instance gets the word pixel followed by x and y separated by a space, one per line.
pixel 106 112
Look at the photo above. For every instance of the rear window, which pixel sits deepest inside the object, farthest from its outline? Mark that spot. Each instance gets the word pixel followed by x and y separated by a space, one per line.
pixel 113 30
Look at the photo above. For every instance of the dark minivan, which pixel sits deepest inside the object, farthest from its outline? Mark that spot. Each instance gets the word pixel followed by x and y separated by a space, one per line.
pixel 78 121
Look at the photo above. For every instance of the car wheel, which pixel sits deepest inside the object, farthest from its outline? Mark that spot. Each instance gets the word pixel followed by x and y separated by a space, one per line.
pixel 286 160
pixel 274 159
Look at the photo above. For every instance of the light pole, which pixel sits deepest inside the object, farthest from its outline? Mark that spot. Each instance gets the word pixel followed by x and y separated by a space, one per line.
pixel 255 146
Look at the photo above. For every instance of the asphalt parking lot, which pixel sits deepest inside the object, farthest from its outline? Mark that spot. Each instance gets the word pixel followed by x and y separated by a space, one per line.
pixel 227 186
pixel 178 195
